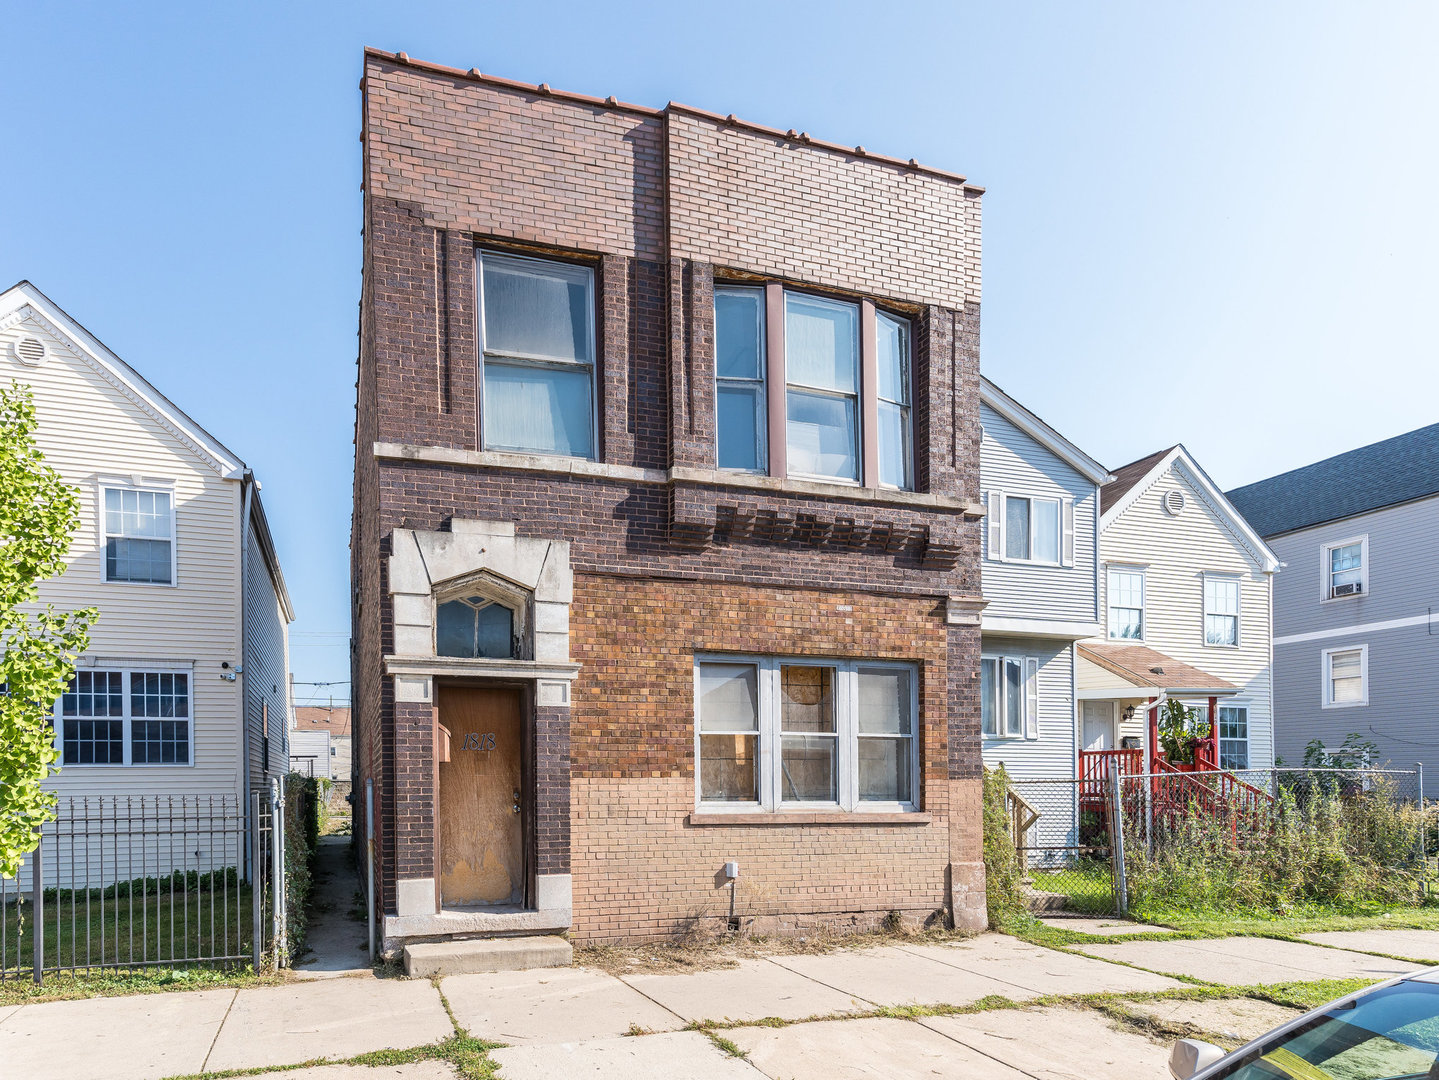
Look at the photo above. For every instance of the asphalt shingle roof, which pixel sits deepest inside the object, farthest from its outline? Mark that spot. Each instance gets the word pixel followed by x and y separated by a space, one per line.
pixel 1126 477
pixel 1383 474
pixel 1143 666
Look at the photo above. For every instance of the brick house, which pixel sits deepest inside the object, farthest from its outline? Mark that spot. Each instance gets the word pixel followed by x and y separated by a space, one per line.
pixel 666 527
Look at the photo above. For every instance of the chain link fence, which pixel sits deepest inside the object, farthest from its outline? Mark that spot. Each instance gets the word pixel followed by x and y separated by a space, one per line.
pixel 1064 844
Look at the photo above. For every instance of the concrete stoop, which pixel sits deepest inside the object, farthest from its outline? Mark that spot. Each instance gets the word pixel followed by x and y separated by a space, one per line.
pixel 426 959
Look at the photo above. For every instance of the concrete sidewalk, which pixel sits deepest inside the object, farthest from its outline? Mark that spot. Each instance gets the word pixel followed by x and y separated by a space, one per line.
pixel 579 1021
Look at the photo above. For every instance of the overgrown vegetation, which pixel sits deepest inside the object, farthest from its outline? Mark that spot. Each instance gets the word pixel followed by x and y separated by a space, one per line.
pixel 1003 877
pixel 302 841
pixel 1326 844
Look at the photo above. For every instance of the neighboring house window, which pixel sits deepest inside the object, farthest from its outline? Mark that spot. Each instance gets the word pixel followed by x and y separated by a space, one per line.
pixel 473 627
pixel 1346 677
pixel 791 734
pixel 125 718
pixel 894 436
pixel 741 419
pixel 537 342
pixel 1345 567
pixel 1009 696
pixel 139 536
pixel 1221 611
pixel 1233 737
pixel 1126 605
pixel 1031 529
pixel 822 396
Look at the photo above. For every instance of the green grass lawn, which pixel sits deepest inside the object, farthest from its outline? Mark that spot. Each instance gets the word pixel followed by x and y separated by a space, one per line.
pixel 80 932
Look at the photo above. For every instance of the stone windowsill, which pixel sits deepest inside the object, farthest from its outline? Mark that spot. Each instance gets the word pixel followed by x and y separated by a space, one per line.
pixel 809 817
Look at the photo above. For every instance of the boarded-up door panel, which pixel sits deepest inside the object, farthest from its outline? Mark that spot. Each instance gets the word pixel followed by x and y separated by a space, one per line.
pixel 481 833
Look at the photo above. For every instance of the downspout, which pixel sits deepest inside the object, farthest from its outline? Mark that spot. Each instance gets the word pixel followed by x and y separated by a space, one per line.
pixel 247 482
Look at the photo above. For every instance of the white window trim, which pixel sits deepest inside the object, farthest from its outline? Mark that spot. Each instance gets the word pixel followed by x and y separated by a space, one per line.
pixel 1248 739
pixel 996 541
pixel 1125 568
pixel 820 391
pixel 1326 575
pixel 907 405
pixel 1029 667
pixel 151 486
pixel 847 737
pixel 1326 689
pixel 529 361
pixel 1204 612
pixel 127 670
pixel 761 421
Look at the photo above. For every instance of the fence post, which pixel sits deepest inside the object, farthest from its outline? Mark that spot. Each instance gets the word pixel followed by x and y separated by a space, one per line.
pixel 1423 829
pixel 1116 842
pixel 277 873
pixel 37 908
pixel 257 879
pixel 370 860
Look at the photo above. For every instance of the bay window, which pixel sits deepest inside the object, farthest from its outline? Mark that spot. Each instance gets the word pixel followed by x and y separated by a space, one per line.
pixel 774 734
pixel 537 348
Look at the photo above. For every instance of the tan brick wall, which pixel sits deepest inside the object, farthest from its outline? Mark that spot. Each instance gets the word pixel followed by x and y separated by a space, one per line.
pixel 773 206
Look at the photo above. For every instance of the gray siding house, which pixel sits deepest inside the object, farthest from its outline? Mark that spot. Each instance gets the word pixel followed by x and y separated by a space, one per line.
pixel 1041 585
pixel 1356 611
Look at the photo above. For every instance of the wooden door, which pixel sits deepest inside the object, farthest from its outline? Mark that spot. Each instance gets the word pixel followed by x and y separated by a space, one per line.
pixel 481 819
pixel 1098 733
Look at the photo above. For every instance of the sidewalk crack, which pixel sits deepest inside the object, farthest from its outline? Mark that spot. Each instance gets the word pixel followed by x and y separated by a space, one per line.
pixel 219 1028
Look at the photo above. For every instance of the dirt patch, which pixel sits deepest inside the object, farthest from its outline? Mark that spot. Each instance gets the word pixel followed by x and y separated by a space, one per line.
pixel 1228 1022
pixel 703 952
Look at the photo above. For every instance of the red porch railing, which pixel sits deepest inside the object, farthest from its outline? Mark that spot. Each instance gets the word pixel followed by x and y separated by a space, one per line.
pixel 1094 769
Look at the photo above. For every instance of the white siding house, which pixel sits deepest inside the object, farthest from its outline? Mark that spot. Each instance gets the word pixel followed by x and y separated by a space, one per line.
pixel 173 550
pixel 1186 612
pixel 1041 496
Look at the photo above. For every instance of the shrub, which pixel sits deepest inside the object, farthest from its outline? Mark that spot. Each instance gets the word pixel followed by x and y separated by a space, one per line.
pixel 1002 874
pixel 302 840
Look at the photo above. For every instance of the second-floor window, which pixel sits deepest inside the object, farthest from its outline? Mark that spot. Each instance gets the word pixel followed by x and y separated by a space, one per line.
pixel 538 355
pixel 139 536
pixel 1221 611
pixel 1031 529
pixel 1346 568
pixel 840 424
pixel 1126 604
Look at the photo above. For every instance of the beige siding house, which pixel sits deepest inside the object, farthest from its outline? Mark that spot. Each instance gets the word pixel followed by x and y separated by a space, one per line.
pixel 187 676
pixel 1185 590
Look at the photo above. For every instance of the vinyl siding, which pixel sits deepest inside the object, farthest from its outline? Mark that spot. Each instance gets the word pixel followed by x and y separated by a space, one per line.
pixel 311 750
pixel 89 429
pixel 1403 661
pixel 1051 756
pixel 1012 462
pixel 1176 553
pixel 267 672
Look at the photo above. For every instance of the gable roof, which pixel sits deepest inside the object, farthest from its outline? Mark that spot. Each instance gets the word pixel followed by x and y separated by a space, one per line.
pixel 1141 666
pixel 1133 480
pixel 24 301
pixel 1381 474
pixel 1040 432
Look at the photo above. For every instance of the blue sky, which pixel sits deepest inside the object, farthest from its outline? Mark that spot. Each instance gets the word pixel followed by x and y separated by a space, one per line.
pixel 1210 223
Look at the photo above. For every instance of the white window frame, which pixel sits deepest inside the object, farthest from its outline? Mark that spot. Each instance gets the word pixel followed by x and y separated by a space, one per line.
pixel 1118 568
pixel 906 406
pixel 576 270
pixel 1221 740
pixel 996 542
pixel 1214 576
pixel 151 487
pixel 126 717
pixel 1326 574
pixel 762 401
pixel 1029 667
pixel 858 395
pixel 846 687
pixel 1326 689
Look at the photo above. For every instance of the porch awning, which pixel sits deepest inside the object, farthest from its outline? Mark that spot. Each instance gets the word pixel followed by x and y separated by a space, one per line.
pixel 1137 671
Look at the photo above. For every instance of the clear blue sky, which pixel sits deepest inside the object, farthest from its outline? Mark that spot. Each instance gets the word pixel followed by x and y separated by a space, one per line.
pixel 1212 223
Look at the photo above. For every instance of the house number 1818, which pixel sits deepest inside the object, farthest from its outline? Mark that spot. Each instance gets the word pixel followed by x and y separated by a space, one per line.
pixel 479 741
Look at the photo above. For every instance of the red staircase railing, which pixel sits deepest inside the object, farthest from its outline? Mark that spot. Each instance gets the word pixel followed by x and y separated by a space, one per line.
pixel 1095 767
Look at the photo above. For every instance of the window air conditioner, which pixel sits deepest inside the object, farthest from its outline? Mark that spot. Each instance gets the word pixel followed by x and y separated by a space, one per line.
pixel 1348 590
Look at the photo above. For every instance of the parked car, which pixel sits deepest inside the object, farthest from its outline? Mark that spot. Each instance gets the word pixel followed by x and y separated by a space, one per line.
pixel 1387 1032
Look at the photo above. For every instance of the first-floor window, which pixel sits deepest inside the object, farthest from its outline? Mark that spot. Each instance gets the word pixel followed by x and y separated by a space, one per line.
pixel 1233 737
pixel 781 733
pixel 1346 677
pixel 125 718
pixel 1009 696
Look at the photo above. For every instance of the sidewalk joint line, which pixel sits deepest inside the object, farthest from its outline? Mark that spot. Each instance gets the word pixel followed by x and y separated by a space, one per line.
pixel 621 980
pixel 828 986
pixel 218 1028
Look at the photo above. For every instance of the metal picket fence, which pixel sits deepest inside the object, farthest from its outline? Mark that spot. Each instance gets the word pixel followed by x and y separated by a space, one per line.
pixel 131 881
pixel 1077 840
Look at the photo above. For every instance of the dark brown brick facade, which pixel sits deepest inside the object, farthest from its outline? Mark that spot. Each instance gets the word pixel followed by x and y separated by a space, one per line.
pixel 666 562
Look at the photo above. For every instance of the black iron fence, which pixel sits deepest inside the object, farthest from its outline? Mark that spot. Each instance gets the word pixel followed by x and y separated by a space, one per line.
pixel 132 881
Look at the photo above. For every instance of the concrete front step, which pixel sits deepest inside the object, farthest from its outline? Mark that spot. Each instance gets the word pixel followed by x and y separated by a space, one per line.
pixel 426 959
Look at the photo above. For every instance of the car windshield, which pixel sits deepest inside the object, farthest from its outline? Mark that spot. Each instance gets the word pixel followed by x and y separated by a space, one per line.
pixel 1390 1034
